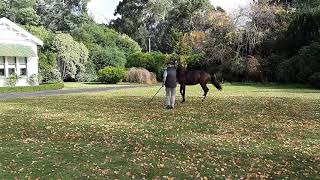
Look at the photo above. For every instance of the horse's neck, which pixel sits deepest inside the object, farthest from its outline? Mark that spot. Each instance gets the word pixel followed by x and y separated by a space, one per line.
pixel 181 70
pixel 181 74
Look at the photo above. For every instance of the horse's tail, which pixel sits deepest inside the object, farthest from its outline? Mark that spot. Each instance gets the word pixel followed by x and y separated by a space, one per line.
pixel 215 82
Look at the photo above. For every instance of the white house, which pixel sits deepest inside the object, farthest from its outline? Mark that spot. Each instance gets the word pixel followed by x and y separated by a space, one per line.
pixel 18 52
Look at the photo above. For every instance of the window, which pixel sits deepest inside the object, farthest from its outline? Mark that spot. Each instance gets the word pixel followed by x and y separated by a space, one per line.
pixel 2 70
pixel 12 71
pixel 23 66
pixel 11 60
pixel 23 71
pixel 23 61
pixel 1 60
pixel 11 66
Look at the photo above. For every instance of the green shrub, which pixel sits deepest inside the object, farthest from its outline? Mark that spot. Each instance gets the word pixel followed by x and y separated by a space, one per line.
pixel 157 63
pixel 42 87
pixel 111 75
pixel 51 76
pixel 309 62
pixel 315 80
pixel 32 80
pixel 271 66
pixel 153 62
pixel 85 77
pixel 12 80
pixel 138 59
pixel 172 58
pixel 98 36
pixel 48 68
pixel 299 68
pixel 89 75
pixel 196 61
pixel 127 45
pixel 103 57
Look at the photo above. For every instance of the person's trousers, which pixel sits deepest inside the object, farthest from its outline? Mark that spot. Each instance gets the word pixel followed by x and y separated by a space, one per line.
pixel 170 96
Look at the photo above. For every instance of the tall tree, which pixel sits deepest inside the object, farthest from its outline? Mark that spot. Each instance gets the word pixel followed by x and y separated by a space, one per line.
pixel 20 11
pixel 162 21
pixel 179 21
pixel 62 15
pixel 132 19
pixel 71 56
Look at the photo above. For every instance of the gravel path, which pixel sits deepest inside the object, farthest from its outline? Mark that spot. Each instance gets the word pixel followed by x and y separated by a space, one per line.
pixel 63 92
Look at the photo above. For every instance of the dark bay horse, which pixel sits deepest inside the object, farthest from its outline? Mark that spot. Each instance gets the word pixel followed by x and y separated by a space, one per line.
pixel 186 77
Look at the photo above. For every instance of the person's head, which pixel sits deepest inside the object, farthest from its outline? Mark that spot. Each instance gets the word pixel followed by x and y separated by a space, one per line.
pixel 170 64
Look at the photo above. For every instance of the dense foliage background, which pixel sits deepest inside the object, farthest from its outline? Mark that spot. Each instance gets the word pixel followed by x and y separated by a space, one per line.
pixel 76 47
pixel 270 41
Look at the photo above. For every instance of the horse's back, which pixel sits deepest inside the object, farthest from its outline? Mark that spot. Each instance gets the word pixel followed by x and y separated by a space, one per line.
pixel 193 77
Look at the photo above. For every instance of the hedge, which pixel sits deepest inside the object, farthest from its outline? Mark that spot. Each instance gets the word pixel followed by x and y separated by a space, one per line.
pixel 111 75
pixel 153 62
pixel 315 80
pixel 42 87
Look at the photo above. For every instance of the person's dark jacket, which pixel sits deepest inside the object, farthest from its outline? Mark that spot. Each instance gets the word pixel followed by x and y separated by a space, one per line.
pixel 171 78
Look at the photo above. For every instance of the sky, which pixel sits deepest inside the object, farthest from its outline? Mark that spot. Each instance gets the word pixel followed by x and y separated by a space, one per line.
pixel 103 10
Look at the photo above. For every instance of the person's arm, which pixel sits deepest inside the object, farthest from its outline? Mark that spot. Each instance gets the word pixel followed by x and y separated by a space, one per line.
pixel 164 77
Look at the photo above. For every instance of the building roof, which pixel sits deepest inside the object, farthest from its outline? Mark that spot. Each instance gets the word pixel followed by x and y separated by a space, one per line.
pixel 16 50
pixel 9 26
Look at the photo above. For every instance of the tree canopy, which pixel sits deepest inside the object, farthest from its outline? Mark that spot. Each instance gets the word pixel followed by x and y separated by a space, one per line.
pixel 270 41
pixel 164 22
pixel 75 47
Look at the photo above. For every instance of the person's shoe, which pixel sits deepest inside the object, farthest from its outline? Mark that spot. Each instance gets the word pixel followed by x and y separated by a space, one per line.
pixel 170 107
pixel 167 107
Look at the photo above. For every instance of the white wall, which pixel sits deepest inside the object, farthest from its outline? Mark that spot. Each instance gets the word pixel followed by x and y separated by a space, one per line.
pixel 11 33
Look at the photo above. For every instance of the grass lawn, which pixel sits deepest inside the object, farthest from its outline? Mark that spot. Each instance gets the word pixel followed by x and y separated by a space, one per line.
pixel 74 85
pixel 21 89
pixel 245 131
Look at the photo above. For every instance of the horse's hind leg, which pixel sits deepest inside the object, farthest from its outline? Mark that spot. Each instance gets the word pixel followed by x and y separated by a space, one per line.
pixel 183 93
pixel 205 90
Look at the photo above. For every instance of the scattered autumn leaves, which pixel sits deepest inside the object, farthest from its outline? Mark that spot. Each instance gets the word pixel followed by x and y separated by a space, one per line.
pixel 118 135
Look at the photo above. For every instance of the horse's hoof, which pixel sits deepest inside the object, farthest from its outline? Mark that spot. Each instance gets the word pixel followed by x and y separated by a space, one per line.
pixel 183 101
